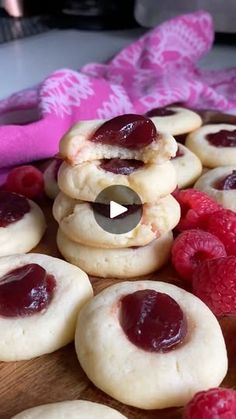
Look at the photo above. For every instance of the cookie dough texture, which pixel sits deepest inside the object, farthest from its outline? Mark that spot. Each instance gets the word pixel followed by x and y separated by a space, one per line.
pixel 116 263
pixel 76 409
pixel 76 147
pixel 143 379
pixel 23 235
pixel 44 332
pixel 207 182
pixel 76 220
pixel 183 121
pixel 85 181
pixel 210 155
pixel 50 181
pixel 188 167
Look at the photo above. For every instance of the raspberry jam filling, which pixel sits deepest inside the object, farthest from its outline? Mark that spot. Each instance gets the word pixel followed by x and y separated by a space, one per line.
pixel 222 138
pixel 128 131
pixel 160 112
pixel 12 208
pixel 228 183
pixel 121 167
pixel 179 153
pixel 104 209
pixel 25 291
pixel 153 321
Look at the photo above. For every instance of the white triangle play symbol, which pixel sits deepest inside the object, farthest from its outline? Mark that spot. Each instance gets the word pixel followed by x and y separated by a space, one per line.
pixel 116 209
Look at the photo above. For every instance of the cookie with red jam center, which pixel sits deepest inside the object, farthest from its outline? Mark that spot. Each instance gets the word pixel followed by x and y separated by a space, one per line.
pixel 148 346
pixel 86 180
pixel 175 119
pixel 220 184
pixel 128 137
pixel 214 144
pixel 40 297
pixel 77 220
pixel 22 224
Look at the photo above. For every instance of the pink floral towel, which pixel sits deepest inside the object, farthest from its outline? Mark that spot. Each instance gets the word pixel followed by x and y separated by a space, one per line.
pixel 158 69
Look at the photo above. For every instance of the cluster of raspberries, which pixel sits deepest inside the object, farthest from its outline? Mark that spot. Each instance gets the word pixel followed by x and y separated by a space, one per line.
pixel 204 251
pixel 204 254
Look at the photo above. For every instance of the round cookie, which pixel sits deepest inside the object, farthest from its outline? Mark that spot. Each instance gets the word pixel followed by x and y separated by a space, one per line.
pixel 77 145
pixel 187 165
pixel 25 233
pixel 85 181
pixel 211 182
pixel 175 119
pixel 117 263
pixel 74 409
pixel 41 319
pixel 50 178
pixel 211 155
pixel 76 220
pixel 139 377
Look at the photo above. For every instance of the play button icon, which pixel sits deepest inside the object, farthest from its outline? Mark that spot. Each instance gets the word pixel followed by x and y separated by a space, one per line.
pixel 117 209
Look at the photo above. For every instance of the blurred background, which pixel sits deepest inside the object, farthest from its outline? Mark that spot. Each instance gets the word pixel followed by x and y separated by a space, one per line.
pixel 40 36
pixel 26 17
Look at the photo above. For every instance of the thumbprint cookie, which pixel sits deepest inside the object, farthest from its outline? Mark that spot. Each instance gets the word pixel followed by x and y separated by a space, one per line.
pixel 129 136
pixel 22 224
pixel 214 144
pixel 175 119
pixel 40 297
pixel 220 184
pixel 150 344
pixel 117 263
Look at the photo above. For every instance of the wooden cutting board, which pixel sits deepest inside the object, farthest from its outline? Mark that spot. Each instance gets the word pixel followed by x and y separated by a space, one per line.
pixel 58 376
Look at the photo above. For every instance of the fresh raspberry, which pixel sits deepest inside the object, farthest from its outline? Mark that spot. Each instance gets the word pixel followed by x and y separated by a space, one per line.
pixel 193 247
pixel 25 180
pixel 223 225
pixel 194 206
pixel 214 282
pixel 216 403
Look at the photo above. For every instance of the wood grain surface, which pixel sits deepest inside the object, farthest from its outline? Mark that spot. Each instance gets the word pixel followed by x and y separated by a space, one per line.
pixel 58 376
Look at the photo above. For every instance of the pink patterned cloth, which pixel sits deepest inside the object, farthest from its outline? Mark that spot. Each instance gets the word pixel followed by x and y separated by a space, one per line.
pixel 156 70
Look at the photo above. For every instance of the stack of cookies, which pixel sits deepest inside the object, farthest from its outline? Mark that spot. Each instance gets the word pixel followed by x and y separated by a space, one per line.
pixel 126 151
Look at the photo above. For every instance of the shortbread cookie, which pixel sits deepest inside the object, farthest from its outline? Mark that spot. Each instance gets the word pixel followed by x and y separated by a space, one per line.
pixel 22 224
pixel 76 220
pixel 215 144
pixel 127 136
pixel 187 165
pixel 76 409
pixel 40 297
pixel 220 184
pixel 86 180
pixel 175 119
pixel 117 263
pixel 150 344
pixel 50 178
